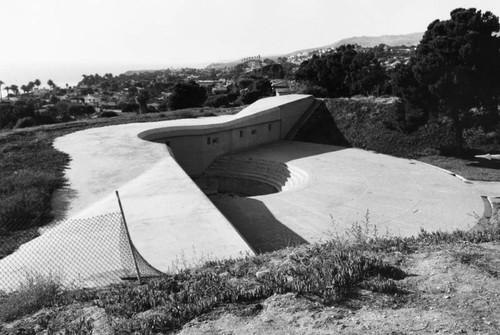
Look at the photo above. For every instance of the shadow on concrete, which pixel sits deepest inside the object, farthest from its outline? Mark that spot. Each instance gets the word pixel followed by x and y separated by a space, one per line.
pixel 256 224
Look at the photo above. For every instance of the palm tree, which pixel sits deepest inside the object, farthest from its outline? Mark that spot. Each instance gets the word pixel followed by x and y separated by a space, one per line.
pixel 14 89
pixel 30 86
pixel 51 84
pixel 25 88
pixel 37 83
pixel 7 88
pixel 1 83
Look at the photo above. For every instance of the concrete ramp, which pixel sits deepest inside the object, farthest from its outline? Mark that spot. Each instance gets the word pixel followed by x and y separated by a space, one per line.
pixel 172 223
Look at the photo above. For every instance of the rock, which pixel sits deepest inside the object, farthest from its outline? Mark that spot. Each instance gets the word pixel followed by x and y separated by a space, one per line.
pixel 261 274
pixel 224 275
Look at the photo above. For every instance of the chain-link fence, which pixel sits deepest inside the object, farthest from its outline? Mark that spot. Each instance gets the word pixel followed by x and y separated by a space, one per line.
pixel 79 252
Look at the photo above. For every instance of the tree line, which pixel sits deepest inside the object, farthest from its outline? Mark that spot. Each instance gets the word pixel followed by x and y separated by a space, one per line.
pixel 454 75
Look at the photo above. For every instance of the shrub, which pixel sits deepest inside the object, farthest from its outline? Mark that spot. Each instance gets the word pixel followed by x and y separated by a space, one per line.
pixel 25 122
pixel 216 101
pixel 45 118
pixel 38 291
pixel 130 108
pixel 7 116
pixel 186 95
pixel 250 97
pixel 80 110
pixel 108 114
pixel 384 125
pixel 152 109
pixel 317 91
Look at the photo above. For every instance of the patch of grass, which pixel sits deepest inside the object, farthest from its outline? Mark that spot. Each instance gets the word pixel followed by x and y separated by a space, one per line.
pixel 324 271
pixel 35 293
pixel 328 273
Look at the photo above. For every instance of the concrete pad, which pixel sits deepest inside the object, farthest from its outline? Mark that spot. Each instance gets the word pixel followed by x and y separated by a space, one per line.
pixel 401 196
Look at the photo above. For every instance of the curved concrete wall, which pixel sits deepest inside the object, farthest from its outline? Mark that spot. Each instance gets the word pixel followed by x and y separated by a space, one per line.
pixel 267 120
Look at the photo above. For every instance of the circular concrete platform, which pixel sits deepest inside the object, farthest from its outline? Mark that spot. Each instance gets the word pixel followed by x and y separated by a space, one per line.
pixel 345 186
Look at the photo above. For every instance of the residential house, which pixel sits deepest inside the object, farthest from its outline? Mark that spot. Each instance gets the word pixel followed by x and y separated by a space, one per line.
pixel 281 87
pixel 92 100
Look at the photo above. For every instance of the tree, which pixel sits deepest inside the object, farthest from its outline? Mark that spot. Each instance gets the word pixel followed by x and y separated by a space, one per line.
pixel 14 89
pixel 1 83
pixel 344 72
pixel 142 99
pixel 458 62
pixel 24 88
pixel 37 83
pixel 30 86
pixel 273 71
pixel 186 95
pixel 51 84
pixel 268 61
pixel 7 88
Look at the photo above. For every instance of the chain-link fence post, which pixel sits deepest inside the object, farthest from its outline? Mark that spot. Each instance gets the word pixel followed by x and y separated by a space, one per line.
pixel 128 238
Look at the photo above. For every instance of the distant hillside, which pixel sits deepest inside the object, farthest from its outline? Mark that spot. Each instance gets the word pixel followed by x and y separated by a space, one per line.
pixel 371 41
pixel 390 40
pixel 364 41
pixel 132 72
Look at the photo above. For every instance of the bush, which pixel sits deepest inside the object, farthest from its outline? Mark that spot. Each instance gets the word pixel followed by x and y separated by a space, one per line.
pixel 35 293
pixel 7 116
pixel 45 118
pixel 250 97
pixel 152 109
pixel 80 110
pixel 383 125
pixel 130 108
pixel 317 91
pixel 25 122
pixel 186 95
pixel 108 114
pixel 216 101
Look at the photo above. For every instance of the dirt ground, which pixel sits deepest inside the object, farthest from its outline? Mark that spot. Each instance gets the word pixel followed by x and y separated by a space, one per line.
pixel 453 289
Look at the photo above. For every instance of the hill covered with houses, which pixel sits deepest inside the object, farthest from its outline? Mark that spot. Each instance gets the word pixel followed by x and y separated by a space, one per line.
pixel 218 85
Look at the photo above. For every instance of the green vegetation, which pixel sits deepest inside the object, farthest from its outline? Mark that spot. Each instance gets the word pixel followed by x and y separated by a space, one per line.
pixel 345 72
pixel 35 293
pixel 186 95
pixel 454 73
pixel 450 80
pixel 380 124
pixel 327 273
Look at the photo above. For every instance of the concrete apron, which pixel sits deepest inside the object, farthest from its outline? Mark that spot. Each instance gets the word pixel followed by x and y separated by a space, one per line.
pixel 345 185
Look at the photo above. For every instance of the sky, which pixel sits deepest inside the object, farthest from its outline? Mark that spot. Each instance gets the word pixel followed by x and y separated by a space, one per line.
pixel 63 39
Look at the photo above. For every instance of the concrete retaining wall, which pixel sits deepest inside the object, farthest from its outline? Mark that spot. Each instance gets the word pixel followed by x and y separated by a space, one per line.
pixel 268 120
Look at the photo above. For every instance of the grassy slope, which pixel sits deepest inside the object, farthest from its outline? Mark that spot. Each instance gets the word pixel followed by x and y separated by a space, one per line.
pixel 327 274
pixel 365 123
